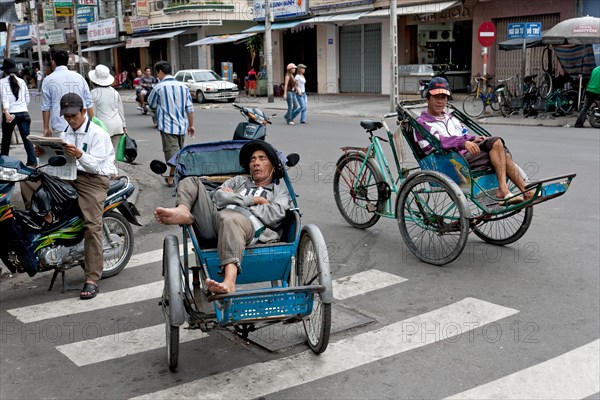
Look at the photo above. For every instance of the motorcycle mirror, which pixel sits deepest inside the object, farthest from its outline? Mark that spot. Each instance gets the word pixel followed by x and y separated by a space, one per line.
pixel 292 159
pixel 158 167
pixel 57 161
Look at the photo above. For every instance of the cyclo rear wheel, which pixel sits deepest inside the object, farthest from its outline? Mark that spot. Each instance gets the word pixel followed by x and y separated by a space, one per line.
pixel 356 192
pixel 505 228
pixel 313 268
pixel 473 106
pixel 432 217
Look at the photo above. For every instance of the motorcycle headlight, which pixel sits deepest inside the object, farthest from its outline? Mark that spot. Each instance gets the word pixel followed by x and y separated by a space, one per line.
pixel 11 175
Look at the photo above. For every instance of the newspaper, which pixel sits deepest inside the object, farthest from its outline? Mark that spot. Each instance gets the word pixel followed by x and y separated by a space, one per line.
pixel 53 146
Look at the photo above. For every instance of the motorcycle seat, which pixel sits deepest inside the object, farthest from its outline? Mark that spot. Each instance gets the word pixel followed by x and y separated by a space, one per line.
pixel 115 185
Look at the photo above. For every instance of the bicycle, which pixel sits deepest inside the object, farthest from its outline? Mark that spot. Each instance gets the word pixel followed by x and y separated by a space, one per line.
pixel 562 102
pixel 484 95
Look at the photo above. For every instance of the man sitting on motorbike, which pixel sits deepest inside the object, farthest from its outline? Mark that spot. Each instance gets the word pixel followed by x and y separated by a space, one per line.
pixel 482 153
pixel 241 211
pixel 147 82
pixel 92 148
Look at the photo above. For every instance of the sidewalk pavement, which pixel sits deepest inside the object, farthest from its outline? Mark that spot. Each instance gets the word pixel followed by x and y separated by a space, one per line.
pixel 372 106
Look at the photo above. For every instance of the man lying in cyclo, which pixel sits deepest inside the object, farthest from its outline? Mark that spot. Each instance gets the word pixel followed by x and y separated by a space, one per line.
pixel 481 153
pixel 242 211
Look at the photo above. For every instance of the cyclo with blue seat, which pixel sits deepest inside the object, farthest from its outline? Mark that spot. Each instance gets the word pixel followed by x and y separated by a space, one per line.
pixel 290 279
pixel 439 201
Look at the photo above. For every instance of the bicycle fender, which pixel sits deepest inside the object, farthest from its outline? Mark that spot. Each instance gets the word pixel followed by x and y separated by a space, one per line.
pixel 462 199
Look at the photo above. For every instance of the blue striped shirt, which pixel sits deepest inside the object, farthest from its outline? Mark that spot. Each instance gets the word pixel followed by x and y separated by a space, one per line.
pixel 172 101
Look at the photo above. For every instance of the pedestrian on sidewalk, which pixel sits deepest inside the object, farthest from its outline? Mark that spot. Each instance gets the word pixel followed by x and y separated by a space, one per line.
pixel 108 103
pixel 39 77
pixel 289 94
pixel 15 99
pixel 592 93
pixel 301 92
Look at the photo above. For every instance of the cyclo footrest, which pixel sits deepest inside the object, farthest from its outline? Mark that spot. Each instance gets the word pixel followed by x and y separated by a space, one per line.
pixel 276 303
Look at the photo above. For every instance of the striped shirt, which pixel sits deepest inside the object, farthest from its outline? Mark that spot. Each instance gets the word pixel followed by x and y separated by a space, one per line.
pixel 172 101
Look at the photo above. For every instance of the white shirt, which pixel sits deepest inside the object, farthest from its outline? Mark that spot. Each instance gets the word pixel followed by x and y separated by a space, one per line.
pixel 98 152
pixel 9 102
pixel 301 81
pixel 108 107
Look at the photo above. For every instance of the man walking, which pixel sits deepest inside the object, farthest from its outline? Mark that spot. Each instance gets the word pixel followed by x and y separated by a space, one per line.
pixel 60 82
pixel 592 93
pixel 174 112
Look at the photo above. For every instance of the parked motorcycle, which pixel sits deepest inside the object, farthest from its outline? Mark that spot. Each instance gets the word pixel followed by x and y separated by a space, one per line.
pixel 255 126
pixel 594 115
pixel 31 244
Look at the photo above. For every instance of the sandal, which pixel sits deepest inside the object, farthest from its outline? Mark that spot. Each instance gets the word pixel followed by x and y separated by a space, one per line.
pixel 90 288
pixel 169 184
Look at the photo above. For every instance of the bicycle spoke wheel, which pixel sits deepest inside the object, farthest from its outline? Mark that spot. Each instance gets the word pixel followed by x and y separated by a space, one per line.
pixel 473 106
pixel 505 229
pixel 432 220
pixel 355 190
pixel 495 103
pixel 568 101
pixel 545 85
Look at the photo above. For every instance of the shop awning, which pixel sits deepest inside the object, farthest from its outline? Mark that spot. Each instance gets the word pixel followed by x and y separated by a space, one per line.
pixel 100 47
pixel 323 19
pixel 274 26
pixel 166 35
pixel 414 9
pixel 220 39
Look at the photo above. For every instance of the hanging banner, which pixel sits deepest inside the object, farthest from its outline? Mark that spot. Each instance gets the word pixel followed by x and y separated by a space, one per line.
pixel 56 36
pixel 63 11
pixel 85 15
pixel 136 42
pixel 143 8
pixel 136 25
pixel 100 30
pixel 49 16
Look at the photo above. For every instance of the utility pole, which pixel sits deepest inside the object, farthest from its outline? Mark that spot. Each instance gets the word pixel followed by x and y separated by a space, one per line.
pixel 269 52
pixel 394 56
pixel 36 26
pixel 77 36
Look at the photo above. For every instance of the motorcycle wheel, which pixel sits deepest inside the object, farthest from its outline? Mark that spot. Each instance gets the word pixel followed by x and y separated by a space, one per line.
pixel 117 243
pixel 594 117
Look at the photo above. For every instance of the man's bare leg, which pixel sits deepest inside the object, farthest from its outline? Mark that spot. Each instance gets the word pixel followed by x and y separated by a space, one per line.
pixel 228 284
pixel 498 160
pixel 179 215
pixel 142 100
pixel 515 176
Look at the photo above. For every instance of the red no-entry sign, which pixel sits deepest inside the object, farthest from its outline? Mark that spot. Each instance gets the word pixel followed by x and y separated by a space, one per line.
pixel 486 34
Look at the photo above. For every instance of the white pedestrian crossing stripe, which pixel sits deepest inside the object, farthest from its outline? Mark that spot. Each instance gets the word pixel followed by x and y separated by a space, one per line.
pixel 270 377
pixel 123 344
pixel 573 375
pixel 363 282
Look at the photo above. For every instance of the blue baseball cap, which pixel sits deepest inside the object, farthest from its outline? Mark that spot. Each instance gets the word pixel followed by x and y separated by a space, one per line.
pixel 439 85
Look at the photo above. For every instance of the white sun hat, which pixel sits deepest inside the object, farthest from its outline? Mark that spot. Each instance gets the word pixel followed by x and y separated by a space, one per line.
pixel 101 76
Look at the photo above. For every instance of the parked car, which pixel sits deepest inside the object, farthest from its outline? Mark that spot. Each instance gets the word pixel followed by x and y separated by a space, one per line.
pixel 205 84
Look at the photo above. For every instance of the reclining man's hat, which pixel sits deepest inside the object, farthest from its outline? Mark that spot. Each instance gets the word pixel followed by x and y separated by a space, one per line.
pixel 249 148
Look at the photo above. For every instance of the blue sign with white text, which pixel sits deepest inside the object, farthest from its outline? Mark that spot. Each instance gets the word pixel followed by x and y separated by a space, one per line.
pixel 533 30
pixel 516 31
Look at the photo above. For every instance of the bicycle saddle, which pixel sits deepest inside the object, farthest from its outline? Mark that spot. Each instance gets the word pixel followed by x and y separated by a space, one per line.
pixel 370 125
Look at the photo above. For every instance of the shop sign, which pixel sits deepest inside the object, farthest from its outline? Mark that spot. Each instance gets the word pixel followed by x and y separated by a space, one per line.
pixel 279 8
pixel 88 2
pixel 143 8
pixel 63 11
pixel 63 4
pixel 22 32
pixel 337 4
pixel 136 25
pixel 136 42
pixel 49 17
pixel 56 36
pixel 85 15
pixel 100 30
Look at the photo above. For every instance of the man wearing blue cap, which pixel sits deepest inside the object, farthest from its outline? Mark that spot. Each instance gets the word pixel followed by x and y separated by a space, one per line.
pixel 482 153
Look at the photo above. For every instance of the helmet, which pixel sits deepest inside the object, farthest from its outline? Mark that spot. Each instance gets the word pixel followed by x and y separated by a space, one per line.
pixel 290 66
pixel 439 85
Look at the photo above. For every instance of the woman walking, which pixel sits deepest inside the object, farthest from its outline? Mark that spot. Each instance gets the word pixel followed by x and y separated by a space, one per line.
pixel 108 105
pixel 289 94
pixel 301 92
pixel 15 99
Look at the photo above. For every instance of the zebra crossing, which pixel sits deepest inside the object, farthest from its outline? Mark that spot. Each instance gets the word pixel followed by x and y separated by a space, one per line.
pixel 544 380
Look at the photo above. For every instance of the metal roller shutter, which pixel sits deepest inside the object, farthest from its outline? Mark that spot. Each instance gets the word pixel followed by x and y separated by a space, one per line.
pixel 360 58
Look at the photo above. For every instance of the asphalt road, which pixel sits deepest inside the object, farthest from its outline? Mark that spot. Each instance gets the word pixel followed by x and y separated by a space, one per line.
pixel 529 309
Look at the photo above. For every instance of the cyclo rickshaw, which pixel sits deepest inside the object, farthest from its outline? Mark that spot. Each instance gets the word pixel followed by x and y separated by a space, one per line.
pixel 290 280
pixel 438 202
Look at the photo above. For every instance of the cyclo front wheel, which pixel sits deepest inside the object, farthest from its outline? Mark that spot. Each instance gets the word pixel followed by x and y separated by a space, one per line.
pixel 432 217
pixel 356 192
pixel 505 228
pixel 313 269
pixel 172 299
pixel 473 106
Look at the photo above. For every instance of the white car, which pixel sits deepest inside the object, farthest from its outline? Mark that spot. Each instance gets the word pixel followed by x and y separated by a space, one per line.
pixel 205 84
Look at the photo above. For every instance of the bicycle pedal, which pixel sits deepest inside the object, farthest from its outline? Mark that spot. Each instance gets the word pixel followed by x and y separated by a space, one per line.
pixel 371 207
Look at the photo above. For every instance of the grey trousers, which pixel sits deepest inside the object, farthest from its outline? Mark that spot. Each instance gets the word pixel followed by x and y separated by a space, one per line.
pixel 232 230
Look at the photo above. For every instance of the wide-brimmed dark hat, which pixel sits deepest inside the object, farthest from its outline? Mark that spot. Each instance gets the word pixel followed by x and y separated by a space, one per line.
pixel 249 148
pixel 9 66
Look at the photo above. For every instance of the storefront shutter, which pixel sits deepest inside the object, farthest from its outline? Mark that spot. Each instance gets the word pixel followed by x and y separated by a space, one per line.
pixel 360 58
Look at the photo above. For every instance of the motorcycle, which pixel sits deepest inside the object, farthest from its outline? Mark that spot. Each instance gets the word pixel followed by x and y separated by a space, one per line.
pixel 146 109
pixel 31 244
pixel 255 126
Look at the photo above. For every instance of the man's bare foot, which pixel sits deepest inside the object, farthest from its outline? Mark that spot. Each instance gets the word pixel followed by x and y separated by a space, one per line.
pixel 529 194
pixel 219 287
pixel 173 216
